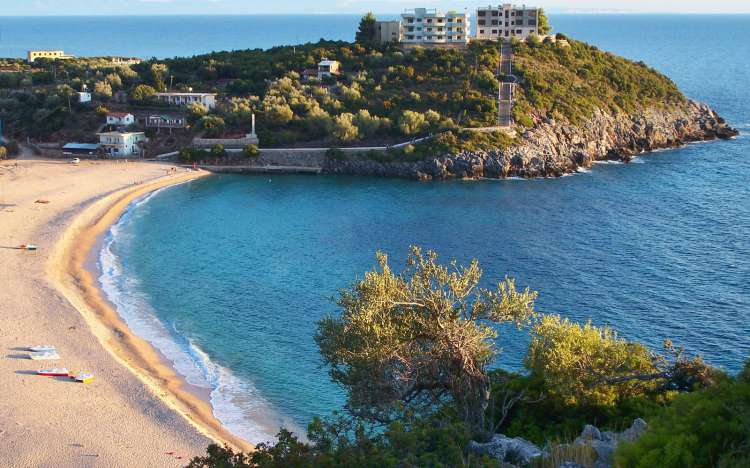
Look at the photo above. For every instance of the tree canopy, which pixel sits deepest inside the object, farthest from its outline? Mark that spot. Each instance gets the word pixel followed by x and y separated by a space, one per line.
pixel 367 30
pixel 420 338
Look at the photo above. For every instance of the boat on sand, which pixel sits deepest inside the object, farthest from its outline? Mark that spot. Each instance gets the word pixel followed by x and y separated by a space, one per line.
pixel 83 377
pixel 56 372
pixel 45 356
pixel 42 349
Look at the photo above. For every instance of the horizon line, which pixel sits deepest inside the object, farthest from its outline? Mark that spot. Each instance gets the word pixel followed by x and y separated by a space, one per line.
pixel 551 11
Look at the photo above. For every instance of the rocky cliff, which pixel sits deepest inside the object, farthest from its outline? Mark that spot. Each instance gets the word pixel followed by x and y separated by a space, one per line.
pixel 553 149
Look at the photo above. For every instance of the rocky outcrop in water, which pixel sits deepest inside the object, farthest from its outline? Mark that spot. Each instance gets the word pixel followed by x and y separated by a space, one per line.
pixel 552 149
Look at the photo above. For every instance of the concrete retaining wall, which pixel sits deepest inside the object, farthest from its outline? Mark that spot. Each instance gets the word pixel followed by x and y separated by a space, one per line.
pixel 226 142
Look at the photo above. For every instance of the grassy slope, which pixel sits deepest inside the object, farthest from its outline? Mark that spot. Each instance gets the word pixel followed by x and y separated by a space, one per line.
pixel 570 82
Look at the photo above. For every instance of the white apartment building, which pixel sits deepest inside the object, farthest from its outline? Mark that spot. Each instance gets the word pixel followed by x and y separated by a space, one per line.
pixel 506 21
pixel 183 99
pixel 48 54
pixel 122 144
pixel 431 27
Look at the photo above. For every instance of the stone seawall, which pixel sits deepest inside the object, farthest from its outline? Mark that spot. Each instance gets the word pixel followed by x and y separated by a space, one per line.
pixel 552 149
pixel 291 160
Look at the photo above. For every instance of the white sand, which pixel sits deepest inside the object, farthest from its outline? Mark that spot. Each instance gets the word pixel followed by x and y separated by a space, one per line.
pixel 136 409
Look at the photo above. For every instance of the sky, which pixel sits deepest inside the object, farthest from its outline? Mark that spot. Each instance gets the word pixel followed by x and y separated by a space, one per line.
pixel 156 7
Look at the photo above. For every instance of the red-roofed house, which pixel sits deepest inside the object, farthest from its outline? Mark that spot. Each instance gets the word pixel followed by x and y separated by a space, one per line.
pixel 120 118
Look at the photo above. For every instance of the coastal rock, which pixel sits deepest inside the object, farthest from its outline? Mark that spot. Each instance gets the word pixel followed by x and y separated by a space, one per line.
pixel 552 149
pixel 605 443
pixel 515 450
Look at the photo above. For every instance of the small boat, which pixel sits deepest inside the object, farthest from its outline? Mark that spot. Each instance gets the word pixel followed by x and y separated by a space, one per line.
pixel 27 247
pixel 42 349
pixel 56 372
pixel 45 356
pixel 83 377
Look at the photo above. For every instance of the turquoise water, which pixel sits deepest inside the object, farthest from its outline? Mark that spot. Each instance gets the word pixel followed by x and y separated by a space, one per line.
pixel 228 275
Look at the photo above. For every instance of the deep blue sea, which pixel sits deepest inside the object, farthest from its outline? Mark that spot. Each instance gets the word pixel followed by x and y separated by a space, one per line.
pixel 228 275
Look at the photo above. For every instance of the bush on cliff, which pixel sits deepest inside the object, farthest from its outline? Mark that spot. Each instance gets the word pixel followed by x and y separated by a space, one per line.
pixel 569 83
pixel 705 428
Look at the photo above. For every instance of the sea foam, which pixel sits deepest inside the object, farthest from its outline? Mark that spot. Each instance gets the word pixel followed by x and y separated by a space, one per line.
pixel 235 401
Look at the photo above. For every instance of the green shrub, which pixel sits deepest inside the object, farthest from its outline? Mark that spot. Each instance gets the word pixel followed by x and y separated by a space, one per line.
pixel 251 151
pixel 213 126
pixel 218 151
pixel 710 427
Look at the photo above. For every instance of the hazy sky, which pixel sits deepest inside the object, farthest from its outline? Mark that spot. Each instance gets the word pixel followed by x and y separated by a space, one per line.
pixel 136 7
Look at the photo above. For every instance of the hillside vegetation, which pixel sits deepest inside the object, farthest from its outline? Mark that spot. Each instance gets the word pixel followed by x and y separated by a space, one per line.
pixel 383 96
pixel 412 351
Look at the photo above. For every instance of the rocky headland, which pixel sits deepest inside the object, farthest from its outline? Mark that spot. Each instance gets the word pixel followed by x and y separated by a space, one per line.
pixel 552 149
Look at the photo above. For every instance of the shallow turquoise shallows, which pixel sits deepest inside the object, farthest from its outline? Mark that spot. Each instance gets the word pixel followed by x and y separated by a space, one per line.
pixel 228 275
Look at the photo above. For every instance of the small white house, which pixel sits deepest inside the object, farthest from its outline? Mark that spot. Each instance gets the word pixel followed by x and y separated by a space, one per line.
pixel 120 118
pixel 122 144
pixel 208 100
pixel 327 68
pixel 84 97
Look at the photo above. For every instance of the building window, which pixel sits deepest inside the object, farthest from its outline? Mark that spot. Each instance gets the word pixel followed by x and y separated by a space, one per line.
pixel 494 31
pixel 481 31
pixel 494 22
pixel 482 13
pixel 482 23
pixel 495 13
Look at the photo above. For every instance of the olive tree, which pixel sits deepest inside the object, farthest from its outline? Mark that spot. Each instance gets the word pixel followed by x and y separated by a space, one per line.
pixel 418 339
pixel 344 129
pixel 586 364
pixel 142 93
pixel 412 122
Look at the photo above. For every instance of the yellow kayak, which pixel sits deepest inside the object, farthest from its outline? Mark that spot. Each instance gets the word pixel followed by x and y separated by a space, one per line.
pixel 83 377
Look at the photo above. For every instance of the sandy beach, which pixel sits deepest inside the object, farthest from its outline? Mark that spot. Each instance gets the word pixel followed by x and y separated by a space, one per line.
pixel 137 409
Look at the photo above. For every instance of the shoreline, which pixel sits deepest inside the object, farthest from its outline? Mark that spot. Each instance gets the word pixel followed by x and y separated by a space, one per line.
pixel 69 269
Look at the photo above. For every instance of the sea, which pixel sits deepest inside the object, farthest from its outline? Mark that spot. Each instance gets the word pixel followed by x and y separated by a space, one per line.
pixel 228 275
